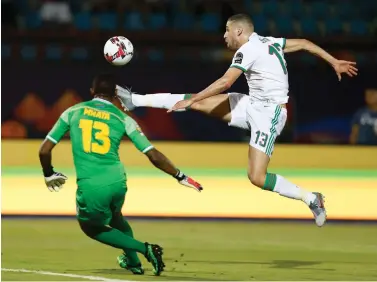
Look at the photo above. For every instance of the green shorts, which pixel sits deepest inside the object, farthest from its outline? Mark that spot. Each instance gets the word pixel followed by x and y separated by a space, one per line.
pixel 97 205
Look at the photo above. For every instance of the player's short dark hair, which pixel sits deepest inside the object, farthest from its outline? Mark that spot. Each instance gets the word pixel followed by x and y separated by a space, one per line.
pixel 242 18
pixel 104 84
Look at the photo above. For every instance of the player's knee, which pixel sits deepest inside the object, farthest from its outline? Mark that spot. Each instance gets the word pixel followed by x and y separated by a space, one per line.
pixel 256 178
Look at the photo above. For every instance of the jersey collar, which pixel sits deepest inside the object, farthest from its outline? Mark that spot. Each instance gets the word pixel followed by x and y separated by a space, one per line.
pixel 252 35
pixel 102 100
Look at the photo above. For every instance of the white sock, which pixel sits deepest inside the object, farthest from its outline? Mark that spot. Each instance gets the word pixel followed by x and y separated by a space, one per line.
pixel 157 100
pixel 289 190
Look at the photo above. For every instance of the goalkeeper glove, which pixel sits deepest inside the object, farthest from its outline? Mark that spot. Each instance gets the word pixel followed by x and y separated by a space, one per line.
pixel 188 181
pixel 124 95
pixel 55 181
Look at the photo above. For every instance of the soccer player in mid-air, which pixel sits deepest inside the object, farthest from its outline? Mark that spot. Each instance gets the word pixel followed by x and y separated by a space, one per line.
pixel 263 111
pixel 96 129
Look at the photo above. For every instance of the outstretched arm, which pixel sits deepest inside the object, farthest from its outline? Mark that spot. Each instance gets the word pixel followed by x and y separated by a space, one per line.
pixel 218 87
pixel 340 66
pixel 159 160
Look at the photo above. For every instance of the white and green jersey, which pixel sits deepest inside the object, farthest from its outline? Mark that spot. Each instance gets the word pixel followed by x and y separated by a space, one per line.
pixel 262 61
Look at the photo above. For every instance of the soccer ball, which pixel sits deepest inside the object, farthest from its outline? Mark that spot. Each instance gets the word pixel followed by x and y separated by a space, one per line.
pixel 118 50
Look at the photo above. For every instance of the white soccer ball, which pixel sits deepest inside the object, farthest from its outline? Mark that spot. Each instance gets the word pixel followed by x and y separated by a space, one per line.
pixel 118 50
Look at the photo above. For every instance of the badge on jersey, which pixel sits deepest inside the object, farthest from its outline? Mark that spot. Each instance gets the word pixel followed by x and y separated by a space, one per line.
pixel 238 58
pixel 138 128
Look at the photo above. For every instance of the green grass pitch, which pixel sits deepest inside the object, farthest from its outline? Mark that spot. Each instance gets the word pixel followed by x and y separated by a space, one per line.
pixel 197 250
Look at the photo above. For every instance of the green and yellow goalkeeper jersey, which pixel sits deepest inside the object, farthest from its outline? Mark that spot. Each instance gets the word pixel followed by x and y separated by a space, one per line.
pixel 96 129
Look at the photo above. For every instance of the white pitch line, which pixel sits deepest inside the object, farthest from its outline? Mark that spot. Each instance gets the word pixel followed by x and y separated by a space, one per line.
pixel 96 278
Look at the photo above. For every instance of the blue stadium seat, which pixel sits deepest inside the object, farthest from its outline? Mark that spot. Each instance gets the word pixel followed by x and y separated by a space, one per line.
pixel 107 21
pixel 309 26
pixel 183 21
pixel 53 52
pixel 261 24
pixel 358 27
pixel 28 52
pixel 82 21
pixel 157 21
pixel 210 22
pixel 79 53
pixel 333 26
pixel 33 20
pixel 133 21
pixel 284 25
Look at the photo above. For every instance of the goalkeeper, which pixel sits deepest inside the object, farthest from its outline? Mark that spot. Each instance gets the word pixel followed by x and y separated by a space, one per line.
pixel 96 129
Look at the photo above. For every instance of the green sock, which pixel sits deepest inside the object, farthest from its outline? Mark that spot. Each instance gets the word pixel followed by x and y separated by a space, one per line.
pixel 112 237
pixel 270 182
pixel 122 225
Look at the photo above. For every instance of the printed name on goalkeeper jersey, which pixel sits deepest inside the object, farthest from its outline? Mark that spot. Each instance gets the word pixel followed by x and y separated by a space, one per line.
pixel 97 114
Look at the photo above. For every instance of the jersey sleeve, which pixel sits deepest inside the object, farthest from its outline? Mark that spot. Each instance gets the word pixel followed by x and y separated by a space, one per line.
pixel 243 59
pixel 137 137
pixel 281 41
pixel 60 128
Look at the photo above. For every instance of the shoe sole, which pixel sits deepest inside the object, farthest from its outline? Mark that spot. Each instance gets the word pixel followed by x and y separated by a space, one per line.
pixel 320 220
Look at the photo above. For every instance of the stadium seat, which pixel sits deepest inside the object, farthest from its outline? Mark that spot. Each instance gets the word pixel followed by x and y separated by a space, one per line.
pixel 82 21
pixel 107 21
pixel 33 20
pixel 79 53
pixel 157 21
pixel 183 21
pixel 133 21
pixel 358 27
pixel 53 52
pixel 309 26
pixel 210 22
pixel 28 52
